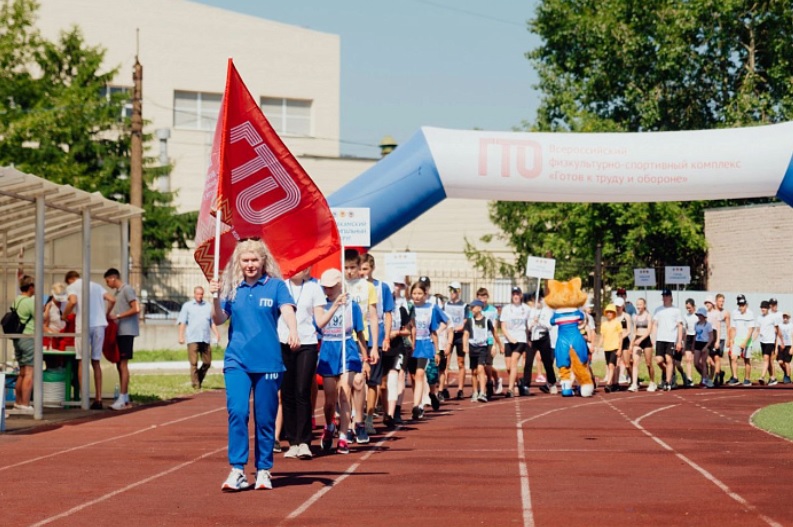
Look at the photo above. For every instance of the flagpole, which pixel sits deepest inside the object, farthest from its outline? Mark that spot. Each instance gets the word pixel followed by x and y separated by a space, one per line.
pixel 343 317
pixel 216 268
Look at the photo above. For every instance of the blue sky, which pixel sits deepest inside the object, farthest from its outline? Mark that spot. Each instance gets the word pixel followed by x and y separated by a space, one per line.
pixel 413 63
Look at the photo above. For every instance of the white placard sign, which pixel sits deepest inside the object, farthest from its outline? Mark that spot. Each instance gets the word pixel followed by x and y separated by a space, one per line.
pixel 644 277
pixel 678 274
pixel 540 267
pixel 400 265
pixel 354 226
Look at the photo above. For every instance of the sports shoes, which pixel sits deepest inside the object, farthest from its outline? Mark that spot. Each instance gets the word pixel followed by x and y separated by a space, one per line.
pixel 361 436
pixel 509 394
pixel 445 393
pixel 119 404
pixel 772 381
pixel 398 416
pixel 489 389
pixel 553 389
pixel 292 453
pixel 499 387
pixel 747 382
pixel 761 382
pixel 236 481
pixel 277 447
pixel 342 447
pixel 633 388
pixel 721 378
pixel 460 395
pixel 369 422
pixel 263 481
pixel 474 396
pixel 440 396
pixel 388 422
pixel 652 387
pixel 707 383
pixel 540 379
pixel 624 379
pixel 24 409
pixel 435 402
pixel 96 405
pixel 667 386
pixel 524 391
pixel 688 383
pixel 786 380
pixel 418 413
pixel 482 398
pixel 733 381
pixel 304 451
pixel 327 438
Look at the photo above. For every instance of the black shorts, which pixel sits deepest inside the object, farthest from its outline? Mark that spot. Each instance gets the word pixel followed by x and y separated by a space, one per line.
pixel 417 364
pixel 477 356
pixel 392 363
pixel 767 348
pixel 489 357
pixel 518 347
pixel 784 354
pixel 611 357
pixel 443 361
pixel 716 352
pixel 457 345
pixel 689 345
pixel 699 345
pixel 375 372
pixel 663 349
pixel 646 342
pixel 677 356
pixel 125 346
pixel 626 344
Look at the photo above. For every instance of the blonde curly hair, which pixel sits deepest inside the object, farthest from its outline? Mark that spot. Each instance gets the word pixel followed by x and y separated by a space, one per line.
pixel 232 275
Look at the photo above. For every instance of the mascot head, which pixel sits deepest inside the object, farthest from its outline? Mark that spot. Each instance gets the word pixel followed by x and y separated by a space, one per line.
pixel 565 294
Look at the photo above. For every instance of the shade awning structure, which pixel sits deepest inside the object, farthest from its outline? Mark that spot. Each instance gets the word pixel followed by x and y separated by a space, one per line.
pixel 18 226
pixel 35 212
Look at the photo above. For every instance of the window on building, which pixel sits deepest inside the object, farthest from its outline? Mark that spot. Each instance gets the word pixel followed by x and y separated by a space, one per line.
pixel 195 110
pixel 108 91
pixel 288 116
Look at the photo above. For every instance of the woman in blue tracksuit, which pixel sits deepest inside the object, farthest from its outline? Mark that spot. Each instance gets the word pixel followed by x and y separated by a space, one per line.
pixel 253 296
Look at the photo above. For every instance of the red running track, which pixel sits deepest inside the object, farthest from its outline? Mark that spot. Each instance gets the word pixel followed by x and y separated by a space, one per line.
pixel 689 457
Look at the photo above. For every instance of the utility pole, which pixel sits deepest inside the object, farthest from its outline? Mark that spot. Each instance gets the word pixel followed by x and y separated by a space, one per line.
pixel 136 176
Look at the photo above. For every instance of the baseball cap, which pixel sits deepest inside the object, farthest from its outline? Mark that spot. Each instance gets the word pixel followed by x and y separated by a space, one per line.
pixel 741 300
pixel 330 278
pixel 611 308
pixel 619 302
pixel 621 291
pixel 517 291
pixel 786 314
pixel 772 301
pixel 709 300
pixel 477 303
pixel 424 279
pixel 765 304
pixel 666 292
pixel 455 285
pixel 702 312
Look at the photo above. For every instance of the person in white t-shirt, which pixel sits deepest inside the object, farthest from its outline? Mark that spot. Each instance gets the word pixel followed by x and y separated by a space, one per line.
pixel 783 356
pixel 514 320
pixel 97 323
pixel 766 333
pixel 774 310
pixel 668 329
pixel 742 324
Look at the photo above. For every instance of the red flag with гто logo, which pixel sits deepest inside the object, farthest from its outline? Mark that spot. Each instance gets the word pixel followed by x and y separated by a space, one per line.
pixel 260 190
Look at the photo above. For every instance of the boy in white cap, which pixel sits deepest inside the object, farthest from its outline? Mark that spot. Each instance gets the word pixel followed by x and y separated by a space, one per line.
pixel 458 311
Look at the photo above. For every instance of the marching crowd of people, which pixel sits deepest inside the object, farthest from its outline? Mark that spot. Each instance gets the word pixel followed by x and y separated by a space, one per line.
pixel 367 341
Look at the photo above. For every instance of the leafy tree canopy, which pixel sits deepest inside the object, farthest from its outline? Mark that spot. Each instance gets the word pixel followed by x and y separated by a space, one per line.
pixel 654 65
pixel 59 121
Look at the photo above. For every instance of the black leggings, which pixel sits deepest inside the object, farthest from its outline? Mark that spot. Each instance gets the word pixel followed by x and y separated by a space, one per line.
pixel 301 366
pixel 542 345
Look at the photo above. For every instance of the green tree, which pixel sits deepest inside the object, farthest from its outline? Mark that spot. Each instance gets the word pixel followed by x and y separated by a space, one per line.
pixel 58 121
pixel 654 65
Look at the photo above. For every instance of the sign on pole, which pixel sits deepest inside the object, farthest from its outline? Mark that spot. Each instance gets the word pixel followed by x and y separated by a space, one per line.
pixel 354 226
pixel 400 265
pixel 644 277
pixel 678 274
pixel 540 267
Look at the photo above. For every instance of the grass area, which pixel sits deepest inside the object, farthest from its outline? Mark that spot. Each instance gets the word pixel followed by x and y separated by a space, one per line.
pixel 173 355
pixel 777 418
pixel 149 388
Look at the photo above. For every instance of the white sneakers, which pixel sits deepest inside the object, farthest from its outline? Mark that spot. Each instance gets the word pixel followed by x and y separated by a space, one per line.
pixel 236 481
pixel 121 403
pixel 263 481
pixel 23 409
pixel 633 388
pixel 292 453
pixel 652 387
pixel 304 451
pixel 499 387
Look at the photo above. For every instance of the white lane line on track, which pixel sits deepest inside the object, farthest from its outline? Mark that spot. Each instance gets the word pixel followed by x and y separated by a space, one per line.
pixel 707 475
pixel 109 439
pixel 131 486
pixel 335 483
pixel 525 489
pixel 711 410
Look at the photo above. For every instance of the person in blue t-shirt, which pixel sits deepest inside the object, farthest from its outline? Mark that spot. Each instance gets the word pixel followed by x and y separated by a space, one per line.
pixel 253 295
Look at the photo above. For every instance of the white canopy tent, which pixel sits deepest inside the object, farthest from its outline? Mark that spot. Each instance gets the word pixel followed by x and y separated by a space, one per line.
pixel 35 214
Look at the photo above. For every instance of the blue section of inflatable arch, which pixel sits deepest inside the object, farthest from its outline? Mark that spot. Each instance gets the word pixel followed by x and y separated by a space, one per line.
pixel 398 189
pixel 785 192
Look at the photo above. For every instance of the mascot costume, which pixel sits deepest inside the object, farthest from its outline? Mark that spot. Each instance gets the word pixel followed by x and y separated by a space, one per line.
pixel 572 354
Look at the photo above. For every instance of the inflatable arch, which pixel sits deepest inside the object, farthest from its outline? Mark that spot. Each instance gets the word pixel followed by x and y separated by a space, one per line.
pixel 571 167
